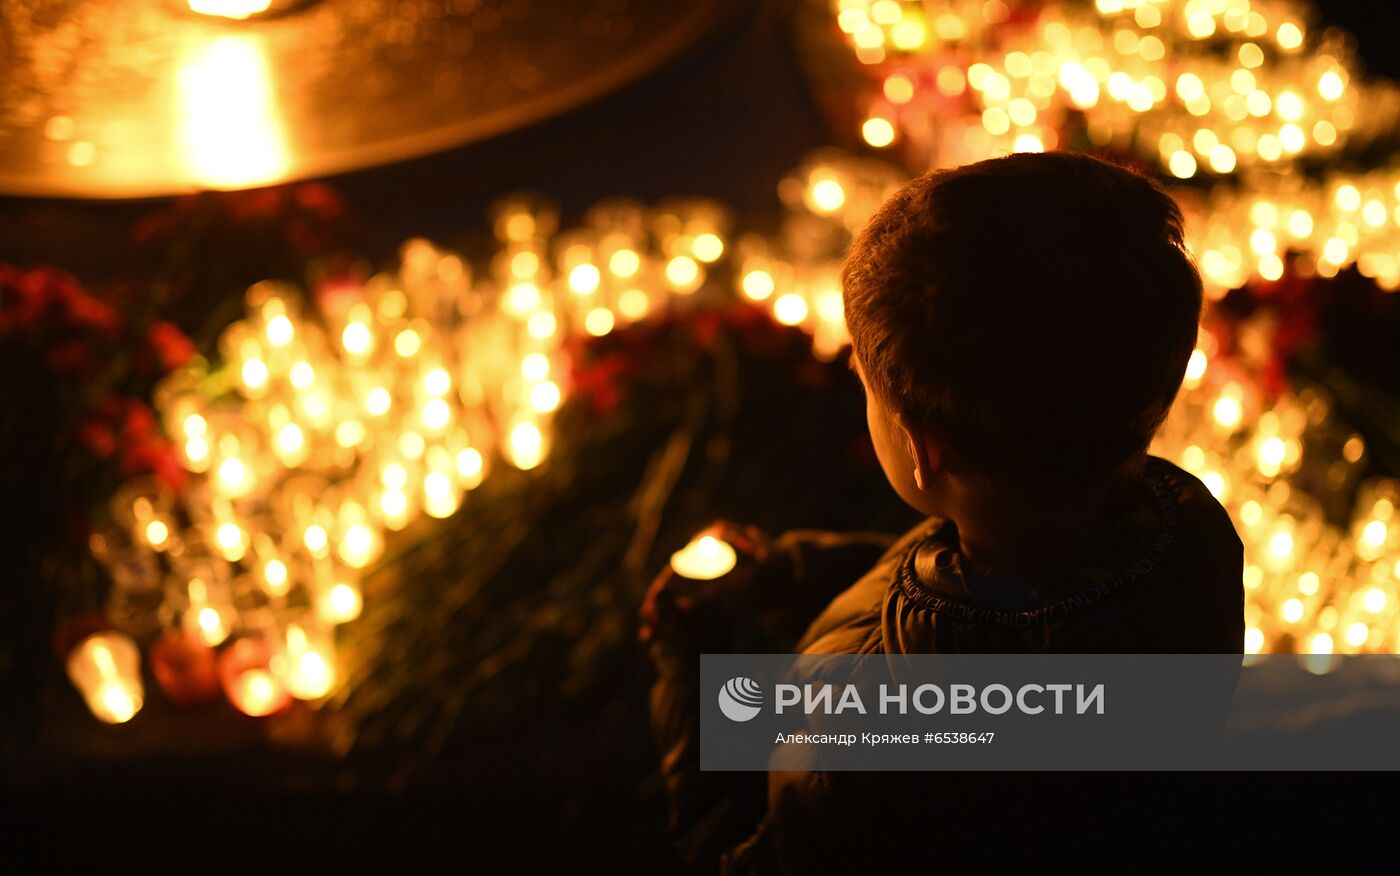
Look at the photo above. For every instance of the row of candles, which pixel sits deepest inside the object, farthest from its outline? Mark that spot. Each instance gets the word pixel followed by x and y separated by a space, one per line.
pixel 330 424
pixel 1205 88
pixel 1144 71
pixel 1350 219
pixel 1313 585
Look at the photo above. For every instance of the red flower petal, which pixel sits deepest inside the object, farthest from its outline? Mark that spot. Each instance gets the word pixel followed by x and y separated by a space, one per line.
pixel 171 345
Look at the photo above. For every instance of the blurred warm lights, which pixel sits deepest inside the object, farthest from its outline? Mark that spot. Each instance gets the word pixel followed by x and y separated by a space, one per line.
pixel 156 533
pixel 584 279
pixel 305 664
pixel 707 246
pixel 826 195
pixel 258 693
pixel 683 273
pixel 545 397
pixel 1218 88
pixel 633 304
pixel 339 604
pixel 236 9
pixel 1311 586
pixel 327 430
pixel 106 669
pixel 301 498
pixel 599 321
pixel 226 116
pixel 878 132
pixel 757 284
pixel 248 679
pixel 790 309
pixel 526 445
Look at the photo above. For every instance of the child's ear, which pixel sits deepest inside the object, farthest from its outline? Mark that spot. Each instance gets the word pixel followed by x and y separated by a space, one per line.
pixel 924 451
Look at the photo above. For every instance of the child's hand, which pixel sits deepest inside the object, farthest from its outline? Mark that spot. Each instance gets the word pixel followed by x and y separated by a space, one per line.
pixel 681 616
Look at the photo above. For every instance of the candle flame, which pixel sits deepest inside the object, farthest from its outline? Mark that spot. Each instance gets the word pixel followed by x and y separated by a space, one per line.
pixel 235 9
pixel 228 120
pixel 704 559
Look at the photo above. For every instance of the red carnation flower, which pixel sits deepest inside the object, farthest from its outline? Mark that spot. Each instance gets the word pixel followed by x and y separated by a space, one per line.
pixel 33 291
pixel 320 199
pixel 172 346
pixel 599 382
pixel 156 456
pixel 110 406
pixel 72 357
pixel 98 437
pixel 90 312
pixel 139 422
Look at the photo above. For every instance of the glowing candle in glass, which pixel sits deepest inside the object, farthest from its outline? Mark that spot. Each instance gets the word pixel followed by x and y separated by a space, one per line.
pixel 526 444
pixel 338 603
pixel 207 616
pixel 306 662
pixel 248 680
pixel 706 557
pixel 106 670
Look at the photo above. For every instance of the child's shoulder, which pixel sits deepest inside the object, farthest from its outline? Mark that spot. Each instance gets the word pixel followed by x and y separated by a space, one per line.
pixel 1178 588
pixel 851 623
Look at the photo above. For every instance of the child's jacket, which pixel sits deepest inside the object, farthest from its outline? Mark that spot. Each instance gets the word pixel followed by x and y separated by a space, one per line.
pixel 1174 585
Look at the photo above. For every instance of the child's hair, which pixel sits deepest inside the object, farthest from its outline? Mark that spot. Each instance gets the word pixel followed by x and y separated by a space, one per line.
pixel 1037 311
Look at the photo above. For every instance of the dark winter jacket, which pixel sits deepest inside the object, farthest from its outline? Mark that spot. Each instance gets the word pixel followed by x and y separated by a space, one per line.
pixel 1173 585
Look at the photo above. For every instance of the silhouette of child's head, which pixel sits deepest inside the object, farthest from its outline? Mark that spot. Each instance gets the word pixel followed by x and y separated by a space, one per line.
pixel 1024 320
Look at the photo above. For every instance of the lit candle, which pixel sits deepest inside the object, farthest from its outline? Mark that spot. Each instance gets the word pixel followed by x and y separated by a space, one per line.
pixel 338 603
pixel 257 693
pixel 706 557
pixel 235 9
pixel 470 466
pixel 526 445
pixel 306 662
pixel 248 681
pixel 106 669
pixel 393 508
pixel 233 476
pixel 360 542
pixel 358 338
pixel 205 618
pixel 230 539
pixel 441 496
